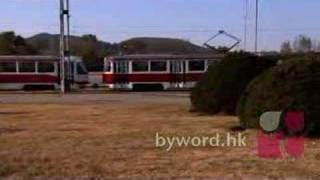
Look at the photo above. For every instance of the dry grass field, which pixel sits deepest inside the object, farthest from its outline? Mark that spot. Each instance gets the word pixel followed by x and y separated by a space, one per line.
pixel 113 136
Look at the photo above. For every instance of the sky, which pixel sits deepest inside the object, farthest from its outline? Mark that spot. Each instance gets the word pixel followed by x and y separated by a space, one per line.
pixel 192 20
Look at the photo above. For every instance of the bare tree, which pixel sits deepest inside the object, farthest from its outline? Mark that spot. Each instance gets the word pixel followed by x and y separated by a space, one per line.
pixel 302 44
pixel 317 47
pixel 286 47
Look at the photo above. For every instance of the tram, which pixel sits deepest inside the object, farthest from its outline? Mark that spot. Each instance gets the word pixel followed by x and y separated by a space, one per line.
pixel 134 72
pixel 39 72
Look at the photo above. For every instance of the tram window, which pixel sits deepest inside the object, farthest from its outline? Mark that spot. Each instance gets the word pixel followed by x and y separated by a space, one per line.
pixel 140 66
pixel 27 67
pixel 196 65
pixel 81 69
pixel 159 66
pixel 108 66
pixel 8 67
pixel 45 67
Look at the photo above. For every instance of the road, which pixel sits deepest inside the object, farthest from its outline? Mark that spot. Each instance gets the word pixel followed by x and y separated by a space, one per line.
pixel 107 97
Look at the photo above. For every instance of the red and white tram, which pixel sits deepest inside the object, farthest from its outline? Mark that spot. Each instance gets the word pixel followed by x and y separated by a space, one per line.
pixel 132 72
pixel 38 72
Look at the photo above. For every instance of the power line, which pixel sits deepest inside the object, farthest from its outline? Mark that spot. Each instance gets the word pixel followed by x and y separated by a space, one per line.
pixel 246 16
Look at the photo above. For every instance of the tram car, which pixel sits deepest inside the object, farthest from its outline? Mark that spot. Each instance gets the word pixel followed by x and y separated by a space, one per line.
pixel 39 72
pixel 161 72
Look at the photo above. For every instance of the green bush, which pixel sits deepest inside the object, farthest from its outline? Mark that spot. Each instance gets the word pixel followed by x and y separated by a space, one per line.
pixel 221 87
pixel 293 85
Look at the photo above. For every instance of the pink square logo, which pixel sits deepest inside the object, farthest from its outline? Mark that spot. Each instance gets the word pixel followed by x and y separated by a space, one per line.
pixel 271 138
pixel 294 121
pixel 269 145
pixel 294 146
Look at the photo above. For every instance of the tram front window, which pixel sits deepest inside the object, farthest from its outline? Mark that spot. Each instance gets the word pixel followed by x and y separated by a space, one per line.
pixel 81 69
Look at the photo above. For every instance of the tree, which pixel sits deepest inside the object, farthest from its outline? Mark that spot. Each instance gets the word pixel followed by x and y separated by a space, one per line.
pixel 302 44
pixel 90 38
pixel 317 47
pixel 6 43
pixel 293 85
pixel 221 87
pixel 10 44
pixel 286 47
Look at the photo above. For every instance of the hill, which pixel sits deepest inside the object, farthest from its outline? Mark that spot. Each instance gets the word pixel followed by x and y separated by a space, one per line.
pixel 88 47
pixel 93 50
pixel 49 44
pixel 147 45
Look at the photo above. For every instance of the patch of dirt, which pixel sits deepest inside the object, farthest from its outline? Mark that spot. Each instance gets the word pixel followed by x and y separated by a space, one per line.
pixel 72 129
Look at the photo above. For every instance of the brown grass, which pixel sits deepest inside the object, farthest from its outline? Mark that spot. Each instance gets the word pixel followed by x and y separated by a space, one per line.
pixel 117 140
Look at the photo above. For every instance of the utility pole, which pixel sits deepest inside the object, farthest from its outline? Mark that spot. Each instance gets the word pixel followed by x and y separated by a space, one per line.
pixel 68 25
pixel 62 48
pixel 68 82
pixel 257 28
pixel 64 44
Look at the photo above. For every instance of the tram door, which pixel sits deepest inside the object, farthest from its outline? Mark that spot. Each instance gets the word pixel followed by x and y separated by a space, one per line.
pixel 178 73
pixel 121 70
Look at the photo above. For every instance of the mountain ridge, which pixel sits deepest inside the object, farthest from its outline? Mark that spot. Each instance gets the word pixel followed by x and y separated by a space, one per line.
pixel 49 44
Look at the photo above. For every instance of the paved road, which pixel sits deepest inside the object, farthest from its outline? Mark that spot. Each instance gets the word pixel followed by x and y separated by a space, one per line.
pixel 123 97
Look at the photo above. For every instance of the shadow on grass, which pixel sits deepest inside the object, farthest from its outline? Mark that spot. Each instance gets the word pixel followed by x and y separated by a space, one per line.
pixel 13 113
pixel 4 130
pixel 6 170
pixel 237 128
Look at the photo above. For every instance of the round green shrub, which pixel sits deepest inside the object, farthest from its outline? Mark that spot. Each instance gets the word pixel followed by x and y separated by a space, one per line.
pixel 293 85
pixel 222 85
